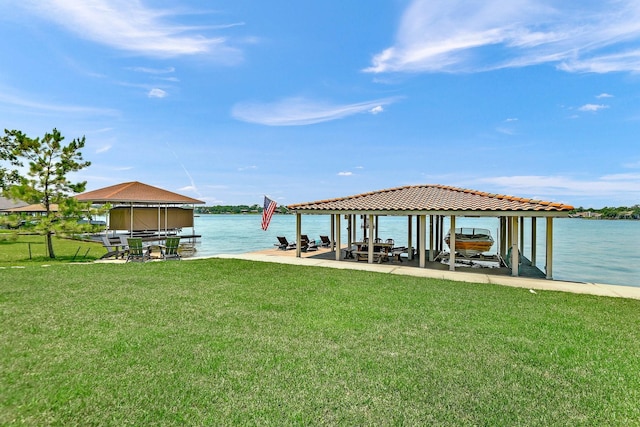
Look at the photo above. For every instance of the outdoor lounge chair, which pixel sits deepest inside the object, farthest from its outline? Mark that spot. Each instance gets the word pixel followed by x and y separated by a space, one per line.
pixel 308 244
pixel 137 252
pixel 325 242
pixel 113 249
pixel 170 248
pixel 284 244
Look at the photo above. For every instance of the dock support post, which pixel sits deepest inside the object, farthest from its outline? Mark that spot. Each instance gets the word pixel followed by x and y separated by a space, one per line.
pixel 371 240
pixel 338 238
pixel 452 244
pixel 298 233
pixel 432 245
pixel 514 247
pixel 410 236
pixel 549 266
pixel 534 240
pixel 422 239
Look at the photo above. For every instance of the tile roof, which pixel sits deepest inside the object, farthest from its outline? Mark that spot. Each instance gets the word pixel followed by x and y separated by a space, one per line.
pixel 430 197
pixel 135 192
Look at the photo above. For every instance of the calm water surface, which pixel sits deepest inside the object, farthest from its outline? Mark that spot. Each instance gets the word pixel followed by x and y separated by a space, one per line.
pixel 584 250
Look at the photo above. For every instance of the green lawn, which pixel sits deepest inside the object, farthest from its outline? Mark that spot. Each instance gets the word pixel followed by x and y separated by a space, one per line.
pixel 231 342
pixel 27 249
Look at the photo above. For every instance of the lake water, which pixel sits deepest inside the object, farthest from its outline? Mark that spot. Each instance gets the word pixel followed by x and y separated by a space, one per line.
pixel 583 250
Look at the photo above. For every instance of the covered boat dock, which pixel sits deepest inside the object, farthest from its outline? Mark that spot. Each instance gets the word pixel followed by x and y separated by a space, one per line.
pixel 426 207
pixel 146 211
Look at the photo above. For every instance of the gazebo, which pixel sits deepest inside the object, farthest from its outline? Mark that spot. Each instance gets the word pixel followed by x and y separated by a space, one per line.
pixel 142 208
pixel 430 204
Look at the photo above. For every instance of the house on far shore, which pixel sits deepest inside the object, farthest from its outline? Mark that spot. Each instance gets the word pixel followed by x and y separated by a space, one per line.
pixel 33 210
pixel 7 205
pixel 625 215
pixel 587 214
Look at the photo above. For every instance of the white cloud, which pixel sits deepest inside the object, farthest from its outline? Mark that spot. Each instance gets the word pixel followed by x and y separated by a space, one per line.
pixel 511 120
pixel 604 95
pixel 467 36
pixel 148 70
pixel 345 173
pixel 622 177
pixel 131 26
pixel 565 186
pixel 245 168
pixel 23 101
pixel 301 111
pixel 104 149
pixel 505 131
pixel 376 110
pixel 632 165
pixel 593 107
pixel 157 93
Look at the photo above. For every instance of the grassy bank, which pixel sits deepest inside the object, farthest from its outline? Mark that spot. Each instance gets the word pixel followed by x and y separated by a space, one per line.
pixel 234 342
pixel 25 249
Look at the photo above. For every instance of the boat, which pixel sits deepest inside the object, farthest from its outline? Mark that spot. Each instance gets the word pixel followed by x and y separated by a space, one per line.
pixel 471 241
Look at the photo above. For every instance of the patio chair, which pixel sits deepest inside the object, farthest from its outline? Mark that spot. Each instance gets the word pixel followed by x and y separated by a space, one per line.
pixel 284 244
pixel 308 244
pixel 170 248
pixel 113 249
pixel 137 252
pixel 325 242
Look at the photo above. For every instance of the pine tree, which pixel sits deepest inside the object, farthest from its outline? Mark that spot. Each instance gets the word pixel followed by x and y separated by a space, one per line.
pixel 47 183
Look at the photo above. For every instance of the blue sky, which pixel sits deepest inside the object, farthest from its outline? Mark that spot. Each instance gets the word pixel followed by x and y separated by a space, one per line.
pixel 230 100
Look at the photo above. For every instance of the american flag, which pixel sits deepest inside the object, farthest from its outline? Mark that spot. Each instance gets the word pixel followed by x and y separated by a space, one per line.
pixel 267 213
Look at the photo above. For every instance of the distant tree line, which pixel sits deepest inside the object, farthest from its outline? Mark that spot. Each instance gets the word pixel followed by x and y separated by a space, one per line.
pixel 622 212
pixel 236 209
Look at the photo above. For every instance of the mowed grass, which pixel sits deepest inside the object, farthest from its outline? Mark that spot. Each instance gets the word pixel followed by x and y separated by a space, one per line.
pixel 231 342
pixel 27 249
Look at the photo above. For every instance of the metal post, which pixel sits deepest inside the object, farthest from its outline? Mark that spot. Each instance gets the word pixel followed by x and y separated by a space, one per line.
pixel 534 241
pixel 333 232
pixel 410 236
pixel 452 244
pixel 298 233
pixel 514 247
pixel 422 239
pixel 549 267
pixel 431 239
pixel 338 238
pixel 521 244
pixel 370 247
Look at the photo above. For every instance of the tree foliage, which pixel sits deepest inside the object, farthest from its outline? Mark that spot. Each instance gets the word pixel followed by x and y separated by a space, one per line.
pixel 12 144
pixel 620 212
pixel 236 209
pixel 47 182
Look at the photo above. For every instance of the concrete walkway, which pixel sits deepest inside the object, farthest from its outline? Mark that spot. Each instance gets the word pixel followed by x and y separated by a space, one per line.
pixel 518 282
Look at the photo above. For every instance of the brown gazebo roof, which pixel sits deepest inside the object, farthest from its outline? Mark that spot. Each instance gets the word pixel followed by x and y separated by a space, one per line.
pixel 135 192
pixel 430 197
